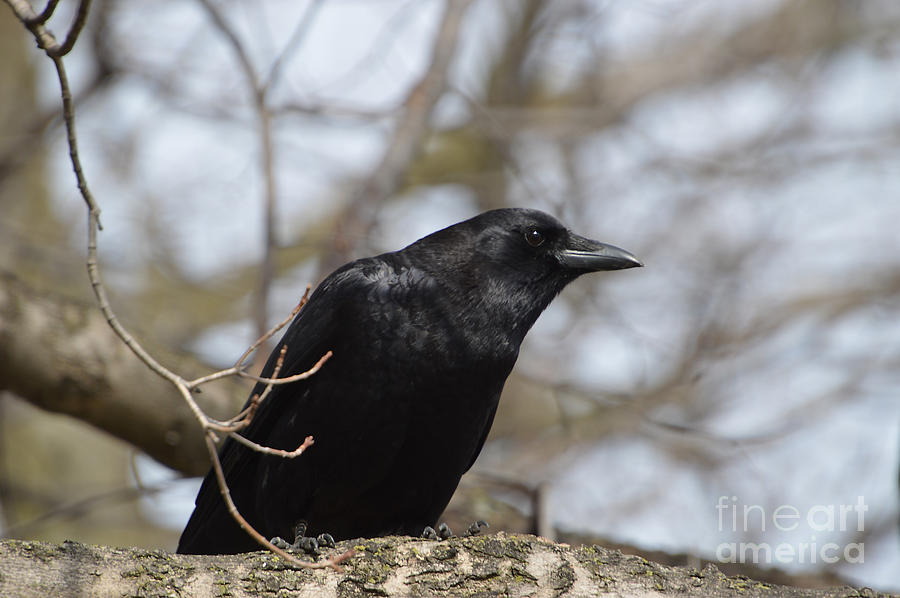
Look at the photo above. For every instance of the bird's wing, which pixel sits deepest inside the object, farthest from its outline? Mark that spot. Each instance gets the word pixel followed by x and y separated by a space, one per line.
pixel 318 328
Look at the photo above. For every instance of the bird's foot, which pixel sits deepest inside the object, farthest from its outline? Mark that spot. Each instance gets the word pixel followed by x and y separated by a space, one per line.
pixel 443 532
pixel 303 542
pixel 475 528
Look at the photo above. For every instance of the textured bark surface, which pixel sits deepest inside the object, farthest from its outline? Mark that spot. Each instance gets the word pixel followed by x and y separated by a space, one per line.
pixel 62 356
pixel 496 565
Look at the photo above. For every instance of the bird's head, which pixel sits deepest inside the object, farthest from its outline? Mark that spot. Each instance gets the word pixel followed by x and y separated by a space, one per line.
pixel 521 256
pixel 539 247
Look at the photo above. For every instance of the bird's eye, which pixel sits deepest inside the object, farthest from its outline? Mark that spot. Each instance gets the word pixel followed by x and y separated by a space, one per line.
pixel 534 237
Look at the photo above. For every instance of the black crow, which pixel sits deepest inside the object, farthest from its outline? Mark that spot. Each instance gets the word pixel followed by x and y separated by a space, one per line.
pixel 423 340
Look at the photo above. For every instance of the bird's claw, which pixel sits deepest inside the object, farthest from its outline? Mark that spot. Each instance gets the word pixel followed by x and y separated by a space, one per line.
pixel 475 528
pixel 302 542
pixel 279 542
pixel 325 540
pixel 443 532
pixel 307 545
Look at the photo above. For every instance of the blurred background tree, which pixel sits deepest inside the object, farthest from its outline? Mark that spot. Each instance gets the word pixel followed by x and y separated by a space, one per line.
pixel 746 151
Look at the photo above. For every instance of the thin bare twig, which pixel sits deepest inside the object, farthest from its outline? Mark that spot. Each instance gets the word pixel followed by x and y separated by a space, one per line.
pixel 23 11
pixel 35 24
pixel 75 30
pixel 247 414
pixel 333 111
pixel 45 14
pixel 238 368
pixel 308 442
pixel 241 420
pixel 237 371
pixel 289 379
pixel 275 328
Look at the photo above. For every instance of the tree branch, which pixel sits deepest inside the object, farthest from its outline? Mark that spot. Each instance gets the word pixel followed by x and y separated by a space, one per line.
pixel 45 14
pixel 500 565
pixel 61 355
pixel 72 36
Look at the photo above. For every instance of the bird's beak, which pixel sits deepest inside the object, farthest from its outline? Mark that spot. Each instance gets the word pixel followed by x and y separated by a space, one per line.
pixel 591 256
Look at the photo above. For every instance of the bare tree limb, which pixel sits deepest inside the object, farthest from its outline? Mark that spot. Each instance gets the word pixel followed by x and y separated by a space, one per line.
pixel 62 356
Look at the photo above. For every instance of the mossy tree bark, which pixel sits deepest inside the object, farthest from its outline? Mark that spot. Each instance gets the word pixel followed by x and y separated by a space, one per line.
pixel 496 565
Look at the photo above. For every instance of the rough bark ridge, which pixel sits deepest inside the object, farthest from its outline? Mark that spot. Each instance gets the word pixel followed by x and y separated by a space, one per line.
pixel 496 565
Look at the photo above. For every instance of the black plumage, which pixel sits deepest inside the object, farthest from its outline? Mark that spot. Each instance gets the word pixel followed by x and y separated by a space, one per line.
pixel 423 340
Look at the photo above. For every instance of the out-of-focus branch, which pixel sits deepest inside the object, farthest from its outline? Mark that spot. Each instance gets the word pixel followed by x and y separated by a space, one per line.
pixel 61 356
pixel 300 31
pixel 73 509
pixel 15 154
pixel 698 58
pixel 585 417
pixel 405 142
pixel 483 152
pixel 258 91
